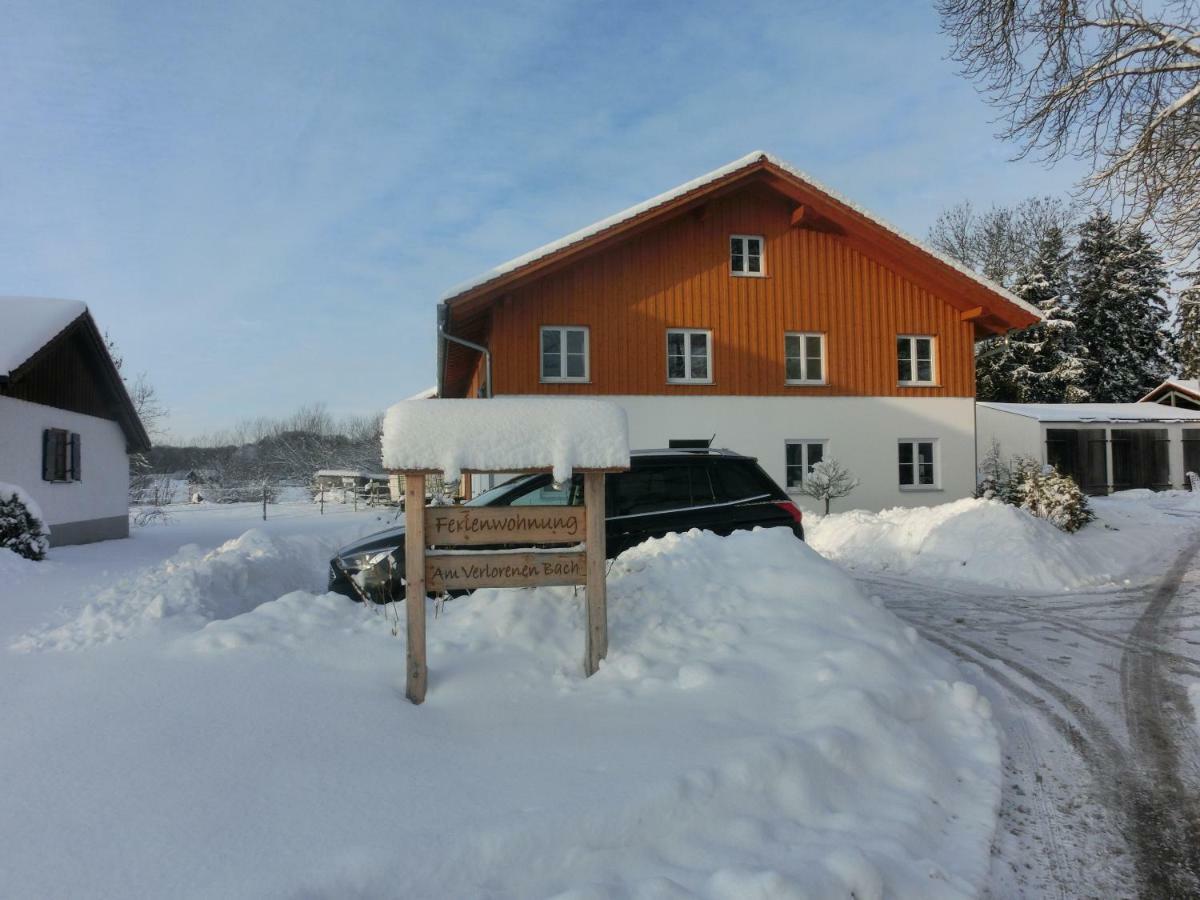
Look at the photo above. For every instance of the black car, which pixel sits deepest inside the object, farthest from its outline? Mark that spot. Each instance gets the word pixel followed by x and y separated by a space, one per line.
pixel 663 491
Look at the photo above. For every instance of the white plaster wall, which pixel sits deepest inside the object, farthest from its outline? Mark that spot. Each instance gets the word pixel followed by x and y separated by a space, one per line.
pixel 1017 435
pixel 862 433
pixel 103 491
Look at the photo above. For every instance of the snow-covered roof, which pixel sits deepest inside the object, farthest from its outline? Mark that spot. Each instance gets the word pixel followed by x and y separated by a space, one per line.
pixel 349 473
pixel 1098 412
pixel 506 434
pixel 27 324
pixel 1186 385
pixel 430 393
pixel 688 186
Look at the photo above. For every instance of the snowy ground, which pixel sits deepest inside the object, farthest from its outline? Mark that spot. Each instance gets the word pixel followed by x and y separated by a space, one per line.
pixel 186 715
pixel 1090 683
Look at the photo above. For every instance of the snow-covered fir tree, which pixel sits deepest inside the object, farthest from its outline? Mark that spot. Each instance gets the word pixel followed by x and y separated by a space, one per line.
pixel 1187 327
pixel 1121 315
pixel 1050 362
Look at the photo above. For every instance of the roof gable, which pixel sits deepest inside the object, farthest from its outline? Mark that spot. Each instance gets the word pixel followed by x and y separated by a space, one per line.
pixel 1189 387
pixel 816 206
pixel 69 369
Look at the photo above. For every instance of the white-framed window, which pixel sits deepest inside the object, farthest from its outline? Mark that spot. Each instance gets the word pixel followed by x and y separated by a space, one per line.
pixel 918 459
pixel 564 353
pixel 916 362
pixel 804 357
pixel 800 456
pixel 689 356
pixel 746 255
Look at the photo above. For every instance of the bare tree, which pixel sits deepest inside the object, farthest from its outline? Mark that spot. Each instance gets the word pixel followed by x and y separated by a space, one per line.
pixel 1103 81
pixel 828 480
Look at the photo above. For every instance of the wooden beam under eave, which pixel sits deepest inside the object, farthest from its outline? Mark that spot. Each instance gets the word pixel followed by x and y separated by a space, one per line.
pixel 803 216
pixel 970 315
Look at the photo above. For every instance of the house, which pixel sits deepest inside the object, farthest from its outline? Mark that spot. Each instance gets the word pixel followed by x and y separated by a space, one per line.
pixel 1104 446
pixel 67 425
pixel 1182 392
pixel 758 310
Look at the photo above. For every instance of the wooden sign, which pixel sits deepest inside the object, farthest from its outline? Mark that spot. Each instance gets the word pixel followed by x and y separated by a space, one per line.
pixel 459 526
pixel 452 571
pixel 463 526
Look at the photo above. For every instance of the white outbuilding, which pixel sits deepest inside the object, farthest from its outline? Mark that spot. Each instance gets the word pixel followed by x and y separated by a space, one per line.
pixel 1105 447
pixel 67 425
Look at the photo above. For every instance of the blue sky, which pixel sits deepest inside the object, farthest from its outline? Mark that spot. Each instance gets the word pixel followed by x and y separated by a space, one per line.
pixel 262 202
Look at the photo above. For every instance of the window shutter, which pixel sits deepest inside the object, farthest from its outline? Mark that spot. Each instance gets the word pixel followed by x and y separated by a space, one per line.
pixel 48 454
pixel 75 476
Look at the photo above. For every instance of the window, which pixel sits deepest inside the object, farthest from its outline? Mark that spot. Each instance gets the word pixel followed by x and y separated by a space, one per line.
pixel 745 254
pixel 801 457
pixel 569 493
pixel 918 464
pixel 804 358
pixel 60 455
pixel 564 354
pixel 688 354
pixel 650 489
pixel 740 480
pixel 914 359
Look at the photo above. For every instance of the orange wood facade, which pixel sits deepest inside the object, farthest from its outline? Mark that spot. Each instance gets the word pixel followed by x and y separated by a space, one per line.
pixel 676 275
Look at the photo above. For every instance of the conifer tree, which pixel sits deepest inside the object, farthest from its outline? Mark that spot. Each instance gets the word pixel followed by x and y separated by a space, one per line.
pixel 1051 363
pixel 1120 313
pixel 1187 327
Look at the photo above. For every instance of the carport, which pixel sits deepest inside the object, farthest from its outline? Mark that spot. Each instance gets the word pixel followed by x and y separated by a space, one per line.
pixel 1105 447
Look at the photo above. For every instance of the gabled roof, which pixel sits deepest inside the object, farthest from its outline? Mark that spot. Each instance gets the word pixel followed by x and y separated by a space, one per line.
pixel 1098 413
pixel 32 327
pixel 1009 310
pixel 27 324
pixel 1189 387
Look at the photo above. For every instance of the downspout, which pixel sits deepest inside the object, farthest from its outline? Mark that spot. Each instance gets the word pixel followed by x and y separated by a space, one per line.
pixel 444 335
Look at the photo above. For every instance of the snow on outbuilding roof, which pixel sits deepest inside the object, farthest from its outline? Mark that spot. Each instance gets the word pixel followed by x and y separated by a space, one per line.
pixel 750 159
pixel 1097 412
pixel 506 434
pixel 27 324
pixel 1183 385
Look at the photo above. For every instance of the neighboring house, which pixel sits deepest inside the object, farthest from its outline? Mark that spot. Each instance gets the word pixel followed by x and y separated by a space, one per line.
pixel 757 309
pixel 1103 446
pixel 1181 392
pixel 67 425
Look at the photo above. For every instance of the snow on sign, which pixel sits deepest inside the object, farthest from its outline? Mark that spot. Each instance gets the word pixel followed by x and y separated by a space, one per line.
pixel 564 437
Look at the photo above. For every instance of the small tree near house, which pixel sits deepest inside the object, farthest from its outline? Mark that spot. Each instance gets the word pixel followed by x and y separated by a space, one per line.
pixel 828 480
pixel 22 529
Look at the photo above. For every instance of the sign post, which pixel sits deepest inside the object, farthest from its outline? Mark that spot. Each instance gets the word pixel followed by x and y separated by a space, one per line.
pixel 461 528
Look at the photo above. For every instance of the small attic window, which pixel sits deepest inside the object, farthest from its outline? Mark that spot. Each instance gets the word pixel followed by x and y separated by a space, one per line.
pixel 745 254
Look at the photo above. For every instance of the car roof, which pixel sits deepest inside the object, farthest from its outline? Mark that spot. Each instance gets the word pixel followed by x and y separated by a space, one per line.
pixel 679 452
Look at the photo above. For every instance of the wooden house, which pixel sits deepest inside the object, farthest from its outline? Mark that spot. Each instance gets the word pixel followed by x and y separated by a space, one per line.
pixel 754 308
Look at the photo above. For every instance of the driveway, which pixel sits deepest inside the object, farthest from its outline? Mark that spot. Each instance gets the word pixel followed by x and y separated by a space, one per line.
pixel 1102 768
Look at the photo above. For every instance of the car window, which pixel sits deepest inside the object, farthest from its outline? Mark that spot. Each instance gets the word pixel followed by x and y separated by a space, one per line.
pixel 549 494
pixel 650 489
pixel 736 480
pixel 703 490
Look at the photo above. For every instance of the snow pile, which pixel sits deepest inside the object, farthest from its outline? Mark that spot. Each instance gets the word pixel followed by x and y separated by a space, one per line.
pixel 505 434
pixel 191 589
pixel 759 729
pixel 986 542
pixel 13 564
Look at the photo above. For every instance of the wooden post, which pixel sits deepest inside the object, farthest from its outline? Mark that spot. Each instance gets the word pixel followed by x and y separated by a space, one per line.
pixel 597 597
pixel 264 501
pixel 414 577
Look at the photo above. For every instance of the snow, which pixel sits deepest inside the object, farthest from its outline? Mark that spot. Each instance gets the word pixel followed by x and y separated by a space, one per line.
pixel 760 728
pixel 28 323
pixel 989 543
pixel 1187 385
pixel 696 183
pixel 350 473
pixel 1098 412
pixel 505 434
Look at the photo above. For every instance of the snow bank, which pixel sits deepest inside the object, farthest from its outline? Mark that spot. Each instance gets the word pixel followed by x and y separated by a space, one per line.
pixel 759 729
pixel 13 564
pixel 505 434
pixel 986 542
pixel 191 589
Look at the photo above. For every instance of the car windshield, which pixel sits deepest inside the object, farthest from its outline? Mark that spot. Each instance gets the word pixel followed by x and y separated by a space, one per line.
pixel 492 494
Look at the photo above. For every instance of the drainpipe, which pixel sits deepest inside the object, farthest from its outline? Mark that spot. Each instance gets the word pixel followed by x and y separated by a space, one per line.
pixel 443 316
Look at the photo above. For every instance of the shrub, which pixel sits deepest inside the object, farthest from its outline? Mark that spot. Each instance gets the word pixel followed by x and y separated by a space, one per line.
pixel 1048 494
pixel 22 529
pixel 828 480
